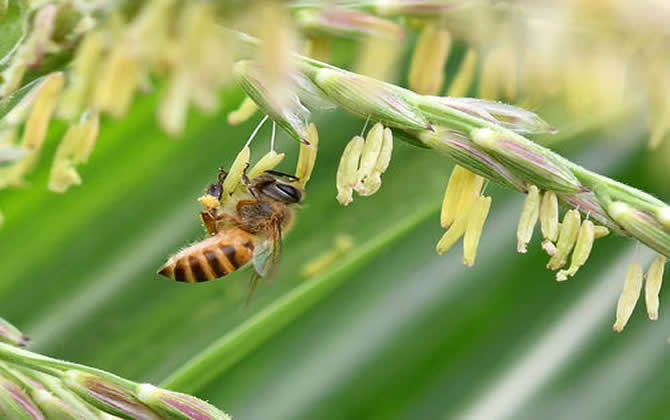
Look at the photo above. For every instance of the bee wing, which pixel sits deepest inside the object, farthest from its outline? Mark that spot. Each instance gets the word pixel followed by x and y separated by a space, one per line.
pixel 267 255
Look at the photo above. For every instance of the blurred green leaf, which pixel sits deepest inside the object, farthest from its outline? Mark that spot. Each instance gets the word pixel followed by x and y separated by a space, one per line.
pixel 12 28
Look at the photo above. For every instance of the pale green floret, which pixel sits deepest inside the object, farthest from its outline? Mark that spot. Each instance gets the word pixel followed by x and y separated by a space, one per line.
pixel 663 216
pixel 528 219
pixel 566 239
pixel 653 286
pixel 629 296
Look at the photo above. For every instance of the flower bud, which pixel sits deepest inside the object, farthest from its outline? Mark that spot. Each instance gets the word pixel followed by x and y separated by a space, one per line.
pixel 108 396
pixel 371 98
pixel 307 156
pixel 528 219
pixel 56 409
pixel 283 106
pixel 641 224
pixel 653 285
pixel 11 335
pixel 473 230
pixel 346 23
pixel 536 163
pixel 347 171
pixel 629 296
pixel 15 404
pixel 566 239
pixel 175 405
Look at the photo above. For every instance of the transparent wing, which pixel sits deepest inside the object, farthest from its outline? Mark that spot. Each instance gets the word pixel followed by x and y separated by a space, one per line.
pixel 267 254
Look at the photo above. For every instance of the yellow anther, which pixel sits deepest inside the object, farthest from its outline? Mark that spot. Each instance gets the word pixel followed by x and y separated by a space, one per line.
pixel 549 216
pixel 370 154
pixel 462 189
pixel 549 247
pixel 600 231
pixel 84 68
pixel 372 183
pixel 629 296
pixel 266 163
pixel 120 77
pixel 307 156
pixel 38 121
pixel 456 230
pixel 236 170
pixel 172 109
pixel 566 239
pixel 347 171
pixel 473 230
pixel 245 111
pixel 528 219
pixel 581 252
pixel 343 243
pixel 653 285
pixel 75 148
pixel 426 74
pixel 466 74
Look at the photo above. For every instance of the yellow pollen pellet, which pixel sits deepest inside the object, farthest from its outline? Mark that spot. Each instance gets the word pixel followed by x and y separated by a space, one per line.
pixel 347 171
pixel 245 111
pixel 307 156
pixel 465 75
pixel 370 154
pixel 629 296
pixel 528 219
pixel 581 252
pixel 653 286
pixel 236 170
pixel 208 201
pixel 549 216
pixel 600 231
pixel 426 74
pixel 473 230
pixel 566 239
pixel 452 235
pixel 266 163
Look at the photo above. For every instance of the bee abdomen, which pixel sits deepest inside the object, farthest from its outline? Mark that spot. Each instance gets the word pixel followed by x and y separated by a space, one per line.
pixel 208 263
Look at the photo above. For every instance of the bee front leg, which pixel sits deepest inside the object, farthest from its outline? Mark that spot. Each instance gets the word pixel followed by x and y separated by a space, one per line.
pixel 208 222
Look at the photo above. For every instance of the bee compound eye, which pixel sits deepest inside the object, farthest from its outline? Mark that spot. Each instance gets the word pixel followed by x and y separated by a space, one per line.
pixel 282 192
pixel 215 190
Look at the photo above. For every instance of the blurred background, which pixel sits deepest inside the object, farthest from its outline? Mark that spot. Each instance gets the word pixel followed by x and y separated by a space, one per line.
pixel 389 330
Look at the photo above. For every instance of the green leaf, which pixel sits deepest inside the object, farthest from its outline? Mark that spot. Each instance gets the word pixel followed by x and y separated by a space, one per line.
pixel 12 28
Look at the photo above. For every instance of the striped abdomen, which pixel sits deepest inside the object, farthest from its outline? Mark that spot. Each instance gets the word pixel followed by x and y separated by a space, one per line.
pixel 212 258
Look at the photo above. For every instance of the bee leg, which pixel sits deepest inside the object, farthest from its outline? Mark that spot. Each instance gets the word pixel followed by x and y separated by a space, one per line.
pixel 208 222
pixel 222 175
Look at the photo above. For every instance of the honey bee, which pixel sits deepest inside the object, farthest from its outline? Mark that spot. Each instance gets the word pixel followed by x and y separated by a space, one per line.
pixel 248 227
